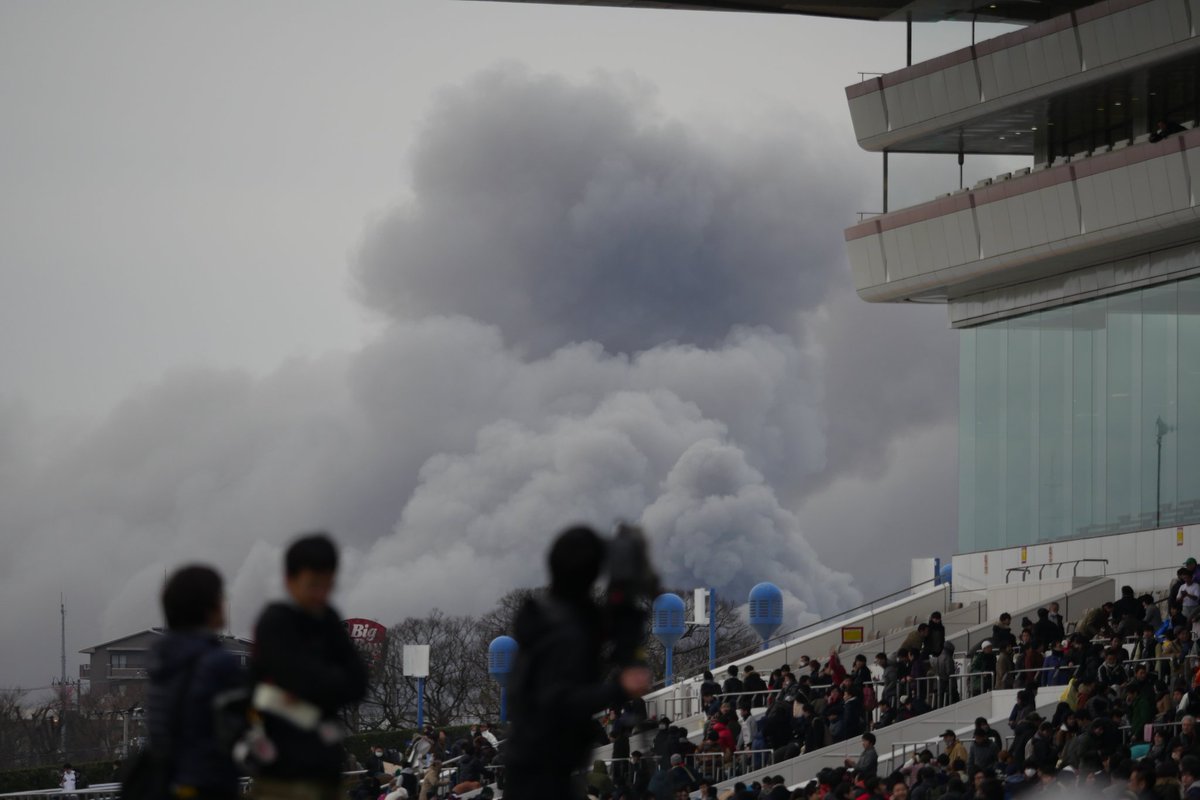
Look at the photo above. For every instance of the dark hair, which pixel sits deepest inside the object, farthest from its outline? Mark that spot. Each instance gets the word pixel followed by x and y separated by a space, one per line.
pixel 870 737
pixel 315 552
pixel 575 561
pixel 189 596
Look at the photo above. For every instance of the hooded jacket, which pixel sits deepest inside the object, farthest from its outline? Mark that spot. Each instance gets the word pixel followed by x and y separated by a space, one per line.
pixel 188 670
pixel 554 689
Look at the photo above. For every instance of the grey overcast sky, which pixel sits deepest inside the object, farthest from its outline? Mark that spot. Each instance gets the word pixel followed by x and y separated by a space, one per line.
pixel 443 276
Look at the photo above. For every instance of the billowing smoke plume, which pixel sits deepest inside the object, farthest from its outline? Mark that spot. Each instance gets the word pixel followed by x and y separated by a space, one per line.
pixel 593 315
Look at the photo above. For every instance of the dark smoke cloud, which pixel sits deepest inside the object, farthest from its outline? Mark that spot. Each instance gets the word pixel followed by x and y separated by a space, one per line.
pixel 594 315
pixel 564 213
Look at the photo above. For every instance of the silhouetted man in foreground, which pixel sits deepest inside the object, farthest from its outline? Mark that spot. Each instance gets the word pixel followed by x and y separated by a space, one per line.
pixel 305 669
pixel 557 682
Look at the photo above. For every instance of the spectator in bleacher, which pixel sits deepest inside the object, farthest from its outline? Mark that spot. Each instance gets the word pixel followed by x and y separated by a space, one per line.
pixel 1151 613
pixel 916 638
pixel 753 682
pixel 1189 596
pixel 681 775
pixel 1004 666
pixel 1041 749
pixel 1146 647
pixel 813 732
pixel 727 717
pixel 430 780
pixel 1056 616
pixel 1128 605
pixel 1112 672
pixel 983 668
pixel 936 639
pixel 1002 631
pixel 1139 700
pixel 898 790
pixel 733 684
pixel 662 740
pixel 1096 622
pixel 1187 737
pixel 639 773
pixel 1046 632
pixel 598 779
pixel 860 673
pixel 953 748
pixel 1023 732
pixel 1053 666
pixel 984 752
pixel 1164 128
pixel 1029 662
pixel 1189 777
pixel 867 763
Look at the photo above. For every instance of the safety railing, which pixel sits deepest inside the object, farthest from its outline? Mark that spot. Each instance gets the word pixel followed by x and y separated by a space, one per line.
pixel 1058 565
pixel 690 703
pixel 715 767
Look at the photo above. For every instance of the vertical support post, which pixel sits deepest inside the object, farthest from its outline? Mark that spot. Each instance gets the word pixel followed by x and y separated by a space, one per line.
pixel 712 628
pixel 503 706
pixel 961 159
pixel 908 35
pixel 670 679
pixel 420 703
pixel 1158 482
pixel 885 181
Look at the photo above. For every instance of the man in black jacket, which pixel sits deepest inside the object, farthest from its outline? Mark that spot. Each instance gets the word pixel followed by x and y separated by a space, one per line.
pixel 305 669
pixel 557 684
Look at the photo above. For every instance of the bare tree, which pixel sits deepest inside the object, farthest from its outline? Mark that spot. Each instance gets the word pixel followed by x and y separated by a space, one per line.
pixel 457 672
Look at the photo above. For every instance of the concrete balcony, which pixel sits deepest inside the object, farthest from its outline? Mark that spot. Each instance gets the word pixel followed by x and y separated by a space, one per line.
pixel 1110 204
pixel 994 96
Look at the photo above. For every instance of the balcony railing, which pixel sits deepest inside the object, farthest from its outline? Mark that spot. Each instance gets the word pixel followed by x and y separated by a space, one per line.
pixel 116 673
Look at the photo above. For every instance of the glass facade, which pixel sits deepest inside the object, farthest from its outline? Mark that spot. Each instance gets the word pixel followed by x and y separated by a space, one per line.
pixel 1082 420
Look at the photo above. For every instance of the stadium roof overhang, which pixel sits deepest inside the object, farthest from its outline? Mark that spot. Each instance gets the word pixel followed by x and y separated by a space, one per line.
pixel 1013 11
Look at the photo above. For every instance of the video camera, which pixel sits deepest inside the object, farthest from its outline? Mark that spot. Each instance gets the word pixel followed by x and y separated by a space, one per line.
pixel 632 586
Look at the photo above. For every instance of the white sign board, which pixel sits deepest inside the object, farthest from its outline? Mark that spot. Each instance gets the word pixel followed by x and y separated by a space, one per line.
pixel 416 661
pixel 700 607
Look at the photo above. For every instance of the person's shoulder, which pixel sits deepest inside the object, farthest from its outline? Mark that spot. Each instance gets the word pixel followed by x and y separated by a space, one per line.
pixel 275 613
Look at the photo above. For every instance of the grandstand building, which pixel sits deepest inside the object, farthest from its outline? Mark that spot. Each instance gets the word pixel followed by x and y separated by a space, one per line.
pixel 1074 286
pixel 1074 282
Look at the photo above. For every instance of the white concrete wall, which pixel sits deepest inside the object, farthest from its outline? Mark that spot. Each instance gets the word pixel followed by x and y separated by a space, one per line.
pixel 1145 560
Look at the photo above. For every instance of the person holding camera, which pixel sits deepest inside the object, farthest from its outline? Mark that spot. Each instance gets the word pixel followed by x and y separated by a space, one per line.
pixel 558 680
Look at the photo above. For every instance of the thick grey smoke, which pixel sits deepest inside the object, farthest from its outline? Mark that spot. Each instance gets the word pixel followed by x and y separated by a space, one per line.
pixel 565 213
pixel 593 315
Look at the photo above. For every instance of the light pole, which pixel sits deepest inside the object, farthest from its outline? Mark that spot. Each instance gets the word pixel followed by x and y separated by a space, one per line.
pixel 416 665
pixel 1161 429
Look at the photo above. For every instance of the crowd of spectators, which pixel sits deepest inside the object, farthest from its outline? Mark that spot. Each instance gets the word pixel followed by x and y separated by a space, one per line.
pixel 1120 684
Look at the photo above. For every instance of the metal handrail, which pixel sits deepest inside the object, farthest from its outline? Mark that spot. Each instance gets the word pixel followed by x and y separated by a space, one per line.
pixel 1058 565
